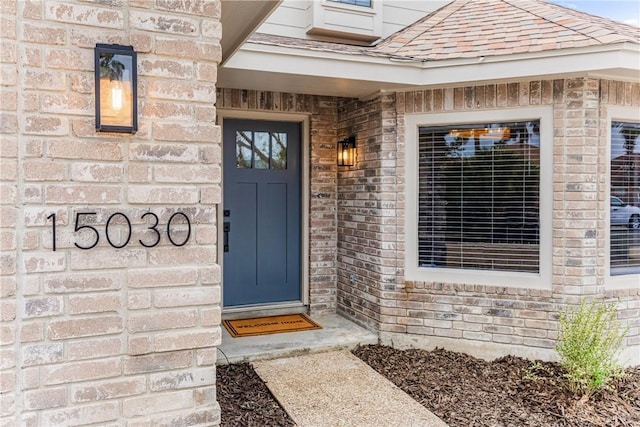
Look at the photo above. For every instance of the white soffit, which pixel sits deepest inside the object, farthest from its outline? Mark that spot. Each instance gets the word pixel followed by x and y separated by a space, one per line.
pixel 239 19
pixel 286 69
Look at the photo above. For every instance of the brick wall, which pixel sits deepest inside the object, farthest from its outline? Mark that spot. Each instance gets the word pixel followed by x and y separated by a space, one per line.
pixel 109 335
pixel 483 320
pixel 364 210
pixel 322 112
pixel 367 210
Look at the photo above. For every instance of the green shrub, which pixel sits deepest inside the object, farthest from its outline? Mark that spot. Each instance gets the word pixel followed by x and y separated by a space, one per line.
pixel 589 343
pixel 538 371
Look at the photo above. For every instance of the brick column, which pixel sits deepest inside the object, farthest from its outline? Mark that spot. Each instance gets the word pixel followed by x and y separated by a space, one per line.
pixel 9 212
pixel 576 204
pixel 367 210
pixel 116 335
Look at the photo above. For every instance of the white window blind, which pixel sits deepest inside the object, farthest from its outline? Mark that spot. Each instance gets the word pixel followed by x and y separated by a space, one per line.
pixel 625 198
pixel 479 192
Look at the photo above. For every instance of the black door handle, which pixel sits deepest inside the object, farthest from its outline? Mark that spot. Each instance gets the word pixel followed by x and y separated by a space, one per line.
pixel 226 227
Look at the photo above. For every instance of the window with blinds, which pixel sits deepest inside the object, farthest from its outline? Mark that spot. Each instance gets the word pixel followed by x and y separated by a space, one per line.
pixel 478 197
pixel 625 198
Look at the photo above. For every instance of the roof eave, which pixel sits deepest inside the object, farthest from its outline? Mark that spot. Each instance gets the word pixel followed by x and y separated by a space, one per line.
pixel 378 73
pixel 240 19
pixel 616 61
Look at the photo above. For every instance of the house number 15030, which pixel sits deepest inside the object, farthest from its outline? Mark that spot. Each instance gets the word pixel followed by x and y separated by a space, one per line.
pixel 93 235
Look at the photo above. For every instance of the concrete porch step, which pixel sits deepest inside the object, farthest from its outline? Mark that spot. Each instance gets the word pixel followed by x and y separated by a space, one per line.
pixel 337 333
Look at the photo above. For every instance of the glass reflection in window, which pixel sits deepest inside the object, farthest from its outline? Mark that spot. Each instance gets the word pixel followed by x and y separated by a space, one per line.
pixel 624 207
pixel 363 3
pixel 479 196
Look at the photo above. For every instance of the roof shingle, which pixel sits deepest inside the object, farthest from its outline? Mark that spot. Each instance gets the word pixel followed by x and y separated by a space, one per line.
pixel 475 28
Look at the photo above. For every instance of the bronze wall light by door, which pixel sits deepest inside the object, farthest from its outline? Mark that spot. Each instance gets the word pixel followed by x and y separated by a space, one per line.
pixel 347 151
pixel 116 88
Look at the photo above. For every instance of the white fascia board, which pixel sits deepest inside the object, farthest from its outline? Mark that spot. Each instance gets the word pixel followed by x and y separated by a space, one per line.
pixel 285 60
pixel 621 61
pixel 613 61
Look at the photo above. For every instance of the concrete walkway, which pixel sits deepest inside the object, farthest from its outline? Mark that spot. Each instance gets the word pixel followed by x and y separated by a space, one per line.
pixel 334 389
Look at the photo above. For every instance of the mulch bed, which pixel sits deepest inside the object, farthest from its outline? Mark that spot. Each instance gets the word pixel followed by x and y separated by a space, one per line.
pixel 460 389
pixel 245 400
pixel 465 391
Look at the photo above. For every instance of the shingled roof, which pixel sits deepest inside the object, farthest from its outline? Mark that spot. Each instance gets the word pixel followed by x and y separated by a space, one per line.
pixel 464 41
pixel 476 28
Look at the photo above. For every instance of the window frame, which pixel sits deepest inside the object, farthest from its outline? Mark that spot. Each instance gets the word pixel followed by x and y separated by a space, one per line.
pixel 342 2
pixel 361 24
pixel 412 272
pixel 621 281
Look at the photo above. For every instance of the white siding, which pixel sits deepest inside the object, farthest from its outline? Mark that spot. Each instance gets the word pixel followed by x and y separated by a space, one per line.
pixel 400 14
pixel 290 19
pixel 294 17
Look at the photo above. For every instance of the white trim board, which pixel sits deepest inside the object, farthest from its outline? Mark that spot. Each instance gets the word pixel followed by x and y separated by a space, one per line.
pixel 272 67
pixel 626 281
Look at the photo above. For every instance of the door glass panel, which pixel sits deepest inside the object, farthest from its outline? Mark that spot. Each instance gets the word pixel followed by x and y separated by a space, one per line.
pixel 261 150
pixel 243 148
pixel 278 150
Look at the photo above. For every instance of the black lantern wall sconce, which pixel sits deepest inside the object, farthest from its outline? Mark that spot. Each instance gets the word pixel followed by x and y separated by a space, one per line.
pixel 116 88
pixel 347 151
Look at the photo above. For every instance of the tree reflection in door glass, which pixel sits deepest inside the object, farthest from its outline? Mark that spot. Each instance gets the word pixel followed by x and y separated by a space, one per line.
pixel 261 150
pixel 243 148
pixel 278 150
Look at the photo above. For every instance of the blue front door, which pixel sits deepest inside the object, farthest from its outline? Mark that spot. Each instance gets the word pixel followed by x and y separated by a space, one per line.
pixel 261 212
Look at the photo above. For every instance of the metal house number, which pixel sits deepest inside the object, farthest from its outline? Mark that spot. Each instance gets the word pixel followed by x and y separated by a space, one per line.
pixel 92 233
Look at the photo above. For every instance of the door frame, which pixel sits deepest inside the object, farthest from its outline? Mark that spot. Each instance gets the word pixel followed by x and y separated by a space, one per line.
pixel 305 155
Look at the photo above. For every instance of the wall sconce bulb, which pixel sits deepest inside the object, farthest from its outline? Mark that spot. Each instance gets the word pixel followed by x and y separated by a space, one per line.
pixel 116 96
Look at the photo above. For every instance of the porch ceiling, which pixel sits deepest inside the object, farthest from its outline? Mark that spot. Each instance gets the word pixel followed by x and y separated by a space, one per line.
pixel 296 83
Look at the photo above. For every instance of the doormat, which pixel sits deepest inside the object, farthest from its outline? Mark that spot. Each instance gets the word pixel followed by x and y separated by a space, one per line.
pixel 270 325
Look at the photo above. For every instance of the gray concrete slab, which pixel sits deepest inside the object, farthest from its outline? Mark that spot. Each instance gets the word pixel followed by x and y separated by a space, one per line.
pixel 335 389
pixel 336 333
